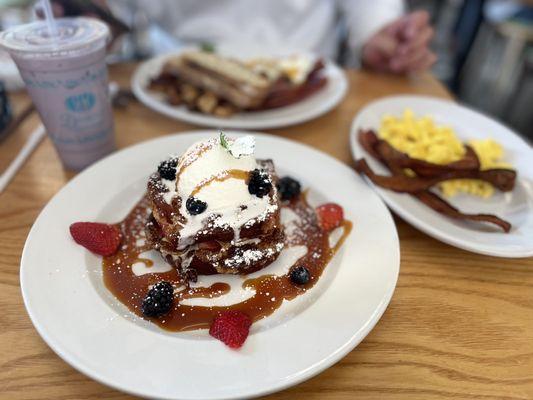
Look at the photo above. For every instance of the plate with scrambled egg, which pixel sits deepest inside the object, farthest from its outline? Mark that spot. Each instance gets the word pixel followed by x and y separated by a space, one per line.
pixel 437 131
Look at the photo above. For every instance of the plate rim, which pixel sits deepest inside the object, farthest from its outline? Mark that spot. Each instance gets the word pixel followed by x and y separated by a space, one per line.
pixel 208 121
pixel 323 364
pixel 411 218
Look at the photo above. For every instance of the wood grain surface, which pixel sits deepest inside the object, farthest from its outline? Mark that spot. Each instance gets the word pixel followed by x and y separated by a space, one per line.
pixel 460 325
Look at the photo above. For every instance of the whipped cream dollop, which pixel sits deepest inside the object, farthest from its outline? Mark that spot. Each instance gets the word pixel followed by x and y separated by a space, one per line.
pixel 208 171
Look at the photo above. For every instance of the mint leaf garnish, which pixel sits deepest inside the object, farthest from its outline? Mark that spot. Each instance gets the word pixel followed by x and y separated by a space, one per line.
pixel 224 142
pixel 243 146
pixel 207 47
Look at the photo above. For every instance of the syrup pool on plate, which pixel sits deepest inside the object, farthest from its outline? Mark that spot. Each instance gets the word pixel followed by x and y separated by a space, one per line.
pixel 130 272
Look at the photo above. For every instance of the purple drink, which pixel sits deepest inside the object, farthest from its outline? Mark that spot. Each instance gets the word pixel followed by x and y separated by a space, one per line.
pixel 66 77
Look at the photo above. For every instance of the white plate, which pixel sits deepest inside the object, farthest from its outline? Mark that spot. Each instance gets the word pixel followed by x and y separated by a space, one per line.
pixel 312 107
pixel 515 206
pixel 82 322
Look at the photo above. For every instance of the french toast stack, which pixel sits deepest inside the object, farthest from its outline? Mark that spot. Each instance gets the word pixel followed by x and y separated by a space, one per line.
pixel 206 220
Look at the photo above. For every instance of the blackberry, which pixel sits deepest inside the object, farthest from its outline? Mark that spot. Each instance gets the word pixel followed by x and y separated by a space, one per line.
pixel 158 300
pixel 167 169
pixel 195 206
pixel 259 183
pixel 288 188
pixel 299 275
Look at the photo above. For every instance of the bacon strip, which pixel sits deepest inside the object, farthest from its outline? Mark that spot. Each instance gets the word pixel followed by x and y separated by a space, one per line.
pixel 435 202
pixel 284 92
pixel 368 138
pixel 399 182
pixel 502 179
pixel 426 169
pixel 293 94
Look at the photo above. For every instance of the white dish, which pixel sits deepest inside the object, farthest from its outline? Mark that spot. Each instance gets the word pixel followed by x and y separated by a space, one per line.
pixel 83 323
pixel 312 107
pixel 515 206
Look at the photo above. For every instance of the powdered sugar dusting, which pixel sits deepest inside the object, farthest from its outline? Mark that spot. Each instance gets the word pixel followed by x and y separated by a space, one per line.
pixel 250 256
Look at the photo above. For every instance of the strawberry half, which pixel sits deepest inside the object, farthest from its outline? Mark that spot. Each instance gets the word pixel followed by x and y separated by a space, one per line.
pixel 102 239
pixel 231 328
pixel 330 216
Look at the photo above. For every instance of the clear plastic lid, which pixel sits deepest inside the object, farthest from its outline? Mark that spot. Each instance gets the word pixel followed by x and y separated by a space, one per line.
pixel 75 35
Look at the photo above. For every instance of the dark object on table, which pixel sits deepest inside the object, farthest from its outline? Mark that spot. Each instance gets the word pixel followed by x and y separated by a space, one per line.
pixel 15 122
pixel 5 111
pixel 122 98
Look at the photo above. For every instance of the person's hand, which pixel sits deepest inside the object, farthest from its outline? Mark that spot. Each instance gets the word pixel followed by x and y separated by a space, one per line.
pixel 401 46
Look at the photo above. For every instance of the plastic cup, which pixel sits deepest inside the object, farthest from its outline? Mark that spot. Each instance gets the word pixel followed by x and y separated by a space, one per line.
pixel 66 77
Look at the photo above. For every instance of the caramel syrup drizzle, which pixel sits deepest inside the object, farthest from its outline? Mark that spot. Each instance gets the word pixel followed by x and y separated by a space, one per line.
pixel 221 177
pixel 270 290
pixel 198 151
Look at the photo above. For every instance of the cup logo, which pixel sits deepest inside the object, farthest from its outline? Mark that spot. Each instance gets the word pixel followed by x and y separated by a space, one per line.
pixel 80 102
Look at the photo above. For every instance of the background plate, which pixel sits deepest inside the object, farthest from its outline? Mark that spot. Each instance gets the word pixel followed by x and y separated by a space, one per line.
pixel 515 206
pixel 312 107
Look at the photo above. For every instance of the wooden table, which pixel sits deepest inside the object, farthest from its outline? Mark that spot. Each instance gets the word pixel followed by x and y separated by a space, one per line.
pixel 460 325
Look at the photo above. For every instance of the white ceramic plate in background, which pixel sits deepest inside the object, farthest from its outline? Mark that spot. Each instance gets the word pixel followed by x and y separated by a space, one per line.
pixel 83 323
pixel 309 108
pixel 515 206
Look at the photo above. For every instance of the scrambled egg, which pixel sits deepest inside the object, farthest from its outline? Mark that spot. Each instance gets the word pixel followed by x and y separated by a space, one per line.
pixel 422 138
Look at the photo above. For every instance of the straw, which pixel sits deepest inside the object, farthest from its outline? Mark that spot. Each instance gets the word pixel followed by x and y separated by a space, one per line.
pixel 50 21
pixel 33 141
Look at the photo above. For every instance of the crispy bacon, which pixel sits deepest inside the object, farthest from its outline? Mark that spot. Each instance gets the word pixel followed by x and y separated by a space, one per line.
pixel 440 205
pixel 283 92
pixel 418 187
pixel 369 140
pixel 502 179
pixel 292 94
pixel 426 169
pixel 383 150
